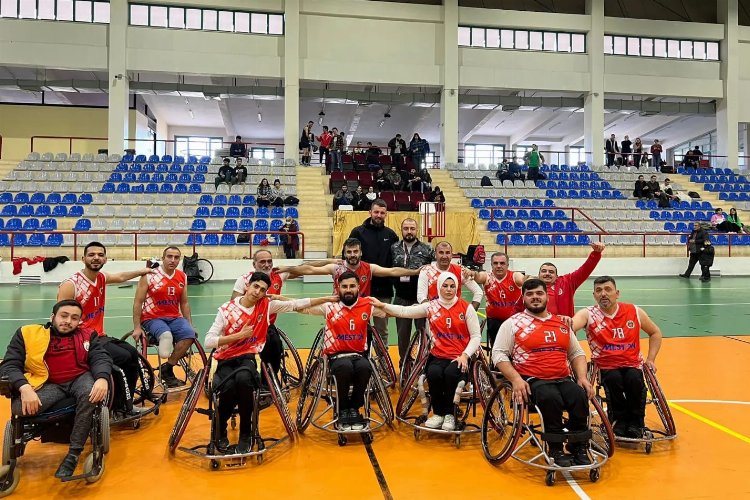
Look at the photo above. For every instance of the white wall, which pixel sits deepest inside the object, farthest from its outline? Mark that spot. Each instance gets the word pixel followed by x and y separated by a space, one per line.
pixel 662 77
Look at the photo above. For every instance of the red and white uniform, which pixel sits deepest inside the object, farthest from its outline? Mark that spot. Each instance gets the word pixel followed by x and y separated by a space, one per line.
pixel 448 328
pixel 277 282
pixel 615 340
pixel 346 327
pixel 163 295
pixel 502 295
pixel 363 272
pixel 433 273
pixel 91 295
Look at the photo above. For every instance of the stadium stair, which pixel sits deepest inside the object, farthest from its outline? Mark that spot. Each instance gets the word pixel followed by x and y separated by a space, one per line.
pixel 314 209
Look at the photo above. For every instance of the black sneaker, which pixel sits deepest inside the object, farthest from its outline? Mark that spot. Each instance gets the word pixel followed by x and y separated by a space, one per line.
pixel 67 467
pixel 222 443
pixel 634 432
pixel 580 455
pixel 684 276
pixel 560 458
pixel 620 430
pixel 243 445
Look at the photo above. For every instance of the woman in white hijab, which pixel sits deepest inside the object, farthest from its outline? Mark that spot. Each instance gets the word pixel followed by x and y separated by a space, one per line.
pixel 455 337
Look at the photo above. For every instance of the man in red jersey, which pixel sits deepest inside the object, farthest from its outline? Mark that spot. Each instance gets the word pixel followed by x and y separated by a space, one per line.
pixel 613 330
pixel 88 288
pixel 345 343
pixel 427 288
pixel 239 333
pixel 161 309
pixel 532 350
pixel 502 291
pixel 562 289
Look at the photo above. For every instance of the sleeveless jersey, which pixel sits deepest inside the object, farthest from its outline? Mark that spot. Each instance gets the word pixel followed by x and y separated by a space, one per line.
pixel 615 340
pixel 346 327
pixel 275 289
pixel 540 349
pixel 364 273
pixel 236 318
pixel 502 295
pixel 433 273
pixel 91 296
pixel 163 295
pixel 448 329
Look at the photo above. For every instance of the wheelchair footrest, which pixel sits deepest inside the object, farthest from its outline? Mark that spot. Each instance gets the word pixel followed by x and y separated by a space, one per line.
pixel 570 437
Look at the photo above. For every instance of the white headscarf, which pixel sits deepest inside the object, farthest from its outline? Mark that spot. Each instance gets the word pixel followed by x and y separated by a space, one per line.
pixel 445 275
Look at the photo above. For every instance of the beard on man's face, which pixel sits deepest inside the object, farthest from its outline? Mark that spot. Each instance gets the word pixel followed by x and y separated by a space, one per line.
pixel 349 298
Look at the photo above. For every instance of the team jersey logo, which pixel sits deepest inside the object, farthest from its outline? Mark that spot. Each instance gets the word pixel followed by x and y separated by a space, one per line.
pixel 181 285
pixel 461 316
pixel 560 291
pixel 630 324
pixel 365 316
pixel 563 330
pixel 86 345
pixel 511 288
pixel 363 278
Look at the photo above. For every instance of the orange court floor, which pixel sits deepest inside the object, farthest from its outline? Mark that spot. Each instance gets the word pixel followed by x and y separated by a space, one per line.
pixel 704 379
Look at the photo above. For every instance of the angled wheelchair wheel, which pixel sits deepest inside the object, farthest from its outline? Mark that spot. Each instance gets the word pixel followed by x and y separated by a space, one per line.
pixel 602 436
pixel 188 407
pixel 410 391
pixel 104 428
pixel 312 389
pixel 292 371
pixel 278 400
pixel 660 401
pixel 381 398
pixel 501 425
pixel 146 388
pixel 7 442
pixel 416 344
pixel 484 381
pixel 382 360
pixel 9 481
pixel 206 270
pixel 316 349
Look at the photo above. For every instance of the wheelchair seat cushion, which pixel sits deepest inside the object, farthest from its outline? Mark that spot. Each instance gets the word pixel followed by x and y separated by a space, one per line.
pixel 64 407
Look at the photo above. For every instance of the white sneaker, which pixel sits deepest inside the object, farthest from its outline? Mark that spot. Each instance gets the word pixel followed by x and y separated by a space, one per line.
pixel 434 422
pixel 449 424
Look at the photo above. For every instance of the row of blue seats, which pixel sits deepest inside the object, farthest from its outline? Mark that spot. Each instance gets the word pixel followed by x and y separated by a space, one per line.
pixel 518 226
pixel 734 196
pixel 144 177
pixel 33 240
pixel 681 205
pixel 704 171
pixel 191 160
pixel 49 199
pixel 161 168
pixel 41 211
pixel 513 202
pixel 123 187
pixel 604 194
pixel 677 215
pixel 543 239
pixel 229 239
pixel 33 224
pixel 699 179
pixel 243 225
pixel 566 168
pixel 737 187
pixel 248 212
pixel 522 213
pixel 572 176
pixel 549 184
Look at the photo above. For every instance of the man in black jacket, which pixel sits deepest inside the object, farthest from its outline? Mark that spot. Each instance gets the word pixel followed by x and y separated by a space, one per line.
pixel 48 363
pixel 696 244
pixel 238 149
pixel 376 240
pixel 398 147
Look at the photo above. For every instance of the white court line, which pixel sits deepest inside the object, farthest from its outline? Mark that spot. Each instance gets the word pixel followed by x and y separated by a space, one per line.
pixel 717 401
pixel 576 487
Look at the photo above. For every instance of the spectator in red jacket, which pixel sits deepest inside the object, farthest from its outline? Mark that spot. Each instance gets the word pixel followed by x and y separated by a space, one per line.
pixel 562 289
pixel 325 145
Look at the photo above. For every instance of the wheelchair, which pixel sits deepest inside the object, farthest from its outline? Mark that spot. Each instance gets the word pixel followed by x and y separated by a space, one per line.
pixel 320 384
pixel 510 429
pixel 475 389
pixel 263 398
pixel 662 430
pixel 53 425
pixel 417 346
pixel 147 395
pixel 379 356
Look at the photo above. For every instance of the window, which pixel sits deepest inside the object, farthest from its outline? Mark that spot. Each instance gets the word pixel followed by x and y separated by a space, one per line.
pixel 176 17
pixel 477 37
pixel 521 152
pixel 84 11
pixel 263 153
pixel 536 40
pixel 475 154
pixel 576 155
pixel 659 47
pixel 494 38
pixel 197 146
pixel 522 39
pixel 634 46
pixel 620 45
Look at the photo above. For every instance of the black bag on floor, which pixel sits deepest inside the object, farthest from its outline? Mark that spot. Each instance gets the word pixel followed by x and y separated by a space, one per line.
pixel 191 270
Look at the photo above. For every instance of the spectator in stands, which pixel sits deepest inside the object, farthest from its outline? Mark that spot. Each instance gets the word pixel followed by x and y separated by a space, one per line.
pixel 668 192
pixel 240 172
pixel 365 201
pixel 418 148
pixel 626 148
pixel 656 150
pixel 698 156
pixel 373 155
pixel 343 197
pixel 238 149
pixel 290 241
pixel 394 179
pixel 398 147
pixel 515 172
pixel 277 197
pixel 325 144
pixel 534 159
pixel 720 223
pixel 414 182
pixel 653 187
pixel 381 182
pixel 696 243
pixel 502 170
pixel 637 152
pixel 359 150
pixel 337 149
pixel 359 195
pixel 612 148
pixel 426 179
pixel 641 190
pixel 306 142
pixel 692 158
pixel 733 218
pixel 225 174
pixel 264 193
pixel 437 196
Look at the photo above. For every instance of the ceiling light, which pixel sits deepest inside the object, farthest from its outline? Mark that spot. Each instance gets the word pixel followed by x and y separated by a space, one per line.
pixel 260 117
pixel 382 122
pixel 192 115
pixel 387 115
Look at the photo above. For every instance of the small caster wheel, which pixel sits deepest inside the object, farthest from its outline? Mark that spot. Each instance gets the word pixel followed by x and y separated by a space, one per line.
pixel 137 424
pixel 156 411
pixel 164 398
pixel 367 438
pixel 259 459
pixel 214 464
pixel 549 480
pixel 416 434
pixel 89 468
pixel 8 484
pixel 594 475
pixel 457 440
pixel 342 440
pixel 648 448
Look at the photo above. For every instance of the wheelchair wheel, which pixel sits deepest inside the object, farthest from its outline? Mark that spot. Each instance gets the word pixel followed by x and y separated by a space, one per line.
pixel 312 389
pixel 501 425
pixel 104 428
pixel 8 482
pixel 410 391
pixel 145 391
pixel 602 436
pixel 194 360
pixel 416 345
pixel 89 467
pixel 7 442
pixel 382 360
pixel 316 350
pixel 381 398
pixel 484 381
pixel 278 400
pixel 660 401
pixel 188 406
pixel 292 370
pixel 205 269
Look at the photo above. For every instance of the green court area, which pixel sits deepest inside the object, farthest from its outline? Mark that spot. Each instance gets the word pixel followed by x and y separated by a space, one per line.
pixel 680 307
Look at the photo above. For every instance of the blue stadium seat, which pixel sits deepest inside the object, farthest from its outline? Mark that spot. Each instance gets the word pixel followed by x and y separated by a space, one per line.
pixel 31 224
pixel 261 225
pixel 198 225
pixel 48 225
pixel 248 200
pixel 493 226
pixel 516 239
pixel 550 193
pixel 506 226
pixel 82 225
pixel 276 224
pixel 85 199
pixel 115 177
pixel 211 239
pixel 258 239
pixel 161 168
pixel 498 213
pixel 522 213
pixel 246 225
pixel 248 212
pixel 26 211
pixel 532 226
pixel 233 212
pixel 560 214
pixel 192 160
pixel 149 167
pixel 291 212
pixel 205 160
pixel 206 199
pixel 500 240
pixel 277 212
pixel 654 214
pixel 217 212
pixel 179 160
pixel 545 226
pixel 583 239
pixel 571 227
pixel 510 214
pixel 21 198
pixel 669 226
pixel 220 199
pixel 173 178
pixel 194 188
pixel 513 203
pixel 476 203
pixel 640 204
pixel 75 211
pixel 529 239
pixel 200 176
pixel 36 240
pixel 558 226
pixel 54 240
pixel 188 169
pixel 484 214
pixel 123 188
pixel 519 226
pixel 488 203
pixel 166 188
pixel 185 178
pixel 37 199
pixel 20 239
pixel 548 214
pixel 6 198
pixel 549 203
pixel 201 169
pixel 129 178
pixel 202 212
pixel 228 240
pixel 60 211
pixel 526 203
pixel 43 211
pixel 140 159
pixel 152 187
pixel 9 211
pixel 501 203
pixel 13 224
pixel 537 203
pixel 544 240
pixel 262 212
pixel 180 188
pixel 136 168
pixel 194 239
pixel 535 214
pixel 230 225
pixel 157 177
pixel 235 200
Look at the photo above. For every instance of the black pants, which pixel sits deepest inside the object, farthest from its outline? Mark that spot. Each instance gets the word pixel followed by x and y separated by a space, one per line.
pixel 636 160
pixel 493 325
pixel 626 396
pixel 691 264
pixel 552 397
pixel 263 203
pixel 237 391
pixel 610 159
pixel 323 152
pixel 278 202
pixel 403 327
pixel 354 372
pixel 273 350
pixel 289 252
pixel 443 376
pixel 125 356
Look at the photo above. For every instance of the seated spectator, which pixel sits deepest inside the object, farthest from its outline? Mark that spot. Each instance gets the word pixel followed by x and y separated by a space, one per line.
pixel 413 181
pixel 381 182
pixel 365 202
pixel 502 171
pixel 373 155
pixel 515 172
pixel 359 150
pixel 394 179
pixel 426 178
pixel 642 189
pixel 693 158
pixel 734 220
pixel 238 149
pixel 240 172
pixel 226 174
pixel 668 193
pixel 277 194
pixel 720 223
pixel 290 241
pixel 653 187
pixel 437 196
pixel 264 193
pixel 343 197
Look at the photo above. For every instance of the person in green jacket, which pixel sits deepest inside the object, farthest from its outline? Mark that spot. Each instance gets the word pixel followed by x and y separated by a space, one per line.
pixel 733 218
pixel 534 160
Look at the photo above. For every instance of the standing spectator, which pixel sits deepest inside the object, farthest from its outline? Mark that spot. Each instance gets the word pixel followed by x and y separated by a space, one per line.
pixel 373 155
pixel 225 174
pixel 627 148
pixel 612 148
pixel 240 172
pixel 238 149
pixel 325 144
pixel 641 189
pixel 637 152
pixel 381 182
pixel 306 142
pixel 534 160
pixel 264 193
pixel 656 150
pixel 290 241
pixel 343 197
pixel 437 196
pixel 337 149
pixel 377 239
pixel 426 179
pixel 418 148
pixel 366 202
pixel 706 260
pixel 394 179
pixel 696 242
pixel 398 147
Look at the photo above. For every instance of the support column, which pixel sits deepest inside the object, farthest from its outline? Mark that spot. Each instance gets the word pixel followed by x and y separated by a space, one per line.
pixel 727 115
pixel 593 107
pixel 119 86
pixel 744 163
pixel 449 96
pixel 292 128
